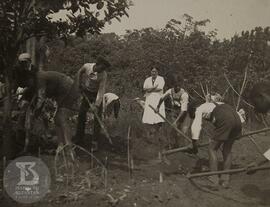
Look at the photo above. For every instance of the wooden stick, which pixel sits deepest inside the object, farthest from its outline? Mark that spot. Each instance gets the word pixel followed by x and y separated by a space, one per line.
pixel 255 144
pixel 92 158
pixel 233 171
pixel 98 118
pixel 207 90
pixel 225 93
pixel 160 177
pixel 242 90
pixel 174 127
pixel 254 132
pixel 128 152
pixel 106 174
pixel 198 94
pixel 204 94
pixel 131 165
pixel 207 143
pixel 264 121
pixel 172 151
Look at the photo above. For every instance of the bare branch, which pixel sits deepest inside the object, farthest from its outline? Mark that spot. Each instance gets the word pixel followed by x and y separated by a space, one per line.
pixel 198 94
pixel 207 90
pixel 236 91
pixel 226 91
pixel 242 90
pixel 203 90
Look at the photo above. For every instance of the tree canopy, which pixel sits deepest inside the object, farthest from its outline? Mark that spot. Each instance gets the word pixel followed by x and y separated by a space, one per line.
pixel 23 19
pixel 182 48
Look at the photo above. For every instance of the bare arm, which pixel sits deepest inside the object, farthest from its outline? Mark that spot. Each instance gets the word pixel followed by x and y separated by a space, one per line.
pixel 160 85
pixel 184 107
pixel 101 90
pixel 156 89
pixel 196 125
pixel 157 86
pixel 147 88
pixel 163 98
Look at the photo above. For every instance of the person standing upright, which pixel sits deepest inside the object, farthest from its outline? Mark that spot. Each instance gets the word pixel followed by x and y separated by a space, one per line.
pixel 153 88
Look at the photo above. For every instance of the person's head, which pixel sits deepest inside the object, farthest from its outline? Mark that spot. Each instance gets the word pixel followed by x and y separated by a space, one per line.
pixel 177 84
pixel 25 61
pixel 177 88
pixel 216 97
pixel 102 65
pixel 154 72
pixel 260 97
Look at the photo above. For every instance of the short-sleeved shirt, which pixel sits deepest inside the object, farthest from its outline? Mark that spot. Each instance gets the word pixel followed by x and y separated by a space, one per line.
pixel 108 98
pixel 222 116
pixel 90 78
pixel 180 98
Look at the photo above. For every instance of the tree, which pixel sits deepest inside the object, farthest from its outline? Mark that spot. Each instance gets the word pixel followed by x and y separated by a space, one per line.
pixel 23 19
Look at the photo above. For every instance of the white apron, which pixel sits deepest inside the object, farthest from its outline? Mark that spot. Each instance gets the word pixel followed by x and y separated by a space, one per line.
pixel 149 116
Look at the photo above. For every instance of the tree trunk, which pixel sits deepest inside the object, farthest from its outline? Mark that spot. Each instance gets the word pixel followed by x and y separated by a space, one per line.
pixel 31 49
pixel 8 139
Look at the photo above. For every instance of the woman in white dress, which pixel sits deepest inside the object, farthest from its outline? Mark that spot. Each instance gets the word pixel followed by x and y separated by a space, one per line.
pixel 153 87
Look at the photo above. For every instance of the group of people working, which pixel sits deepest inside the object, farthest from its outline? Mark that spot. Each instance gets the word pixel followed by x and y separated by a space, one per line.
pixel 226 120
pixel 87 89
pixel 90 84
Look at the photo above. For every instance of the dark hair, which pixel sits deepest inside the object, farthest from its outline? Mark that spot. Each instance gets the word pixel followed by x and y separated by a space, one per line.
pixel 257 98
pixel 258 88
pixel 102 61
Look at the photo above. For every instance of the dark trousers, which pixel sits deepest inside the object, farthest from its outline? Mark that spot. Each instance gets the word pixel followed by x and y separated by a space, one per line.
pixel 84 107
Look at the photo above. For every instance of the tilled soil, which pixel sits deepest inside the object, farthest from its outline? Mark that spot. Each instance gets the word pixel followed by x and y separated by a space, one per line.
pixel 143 187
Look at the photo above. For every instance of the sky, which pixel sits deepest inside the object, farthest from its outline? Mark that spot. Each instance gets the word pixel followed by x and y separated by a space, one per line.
pixel 227 16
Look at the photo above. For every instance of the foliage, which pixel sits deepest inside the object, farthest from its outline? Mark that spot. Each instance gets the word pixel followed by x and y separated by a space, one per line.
pixel 180 49
pixel 22 19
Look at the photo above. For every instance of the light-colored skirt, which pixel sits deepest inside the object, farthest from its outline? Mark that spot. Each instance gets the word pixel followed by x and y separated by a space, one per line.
pixel 149 116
